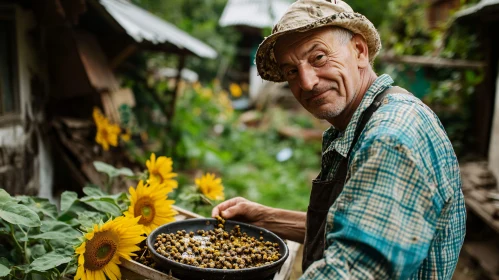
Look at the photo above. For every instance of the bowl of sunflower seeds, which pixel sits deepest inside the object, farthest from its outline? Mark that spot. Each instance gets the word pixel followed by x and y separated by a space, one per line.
pixel 216 249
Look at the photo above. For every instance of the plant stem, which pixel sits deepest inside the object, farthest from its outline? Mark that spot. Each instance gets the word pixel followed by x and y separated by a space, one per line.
pixel 207 200
pixel 109 184
pixel 13 274
pixel 49 245
pixel 58 276
pixel 25 243
pixel 66 268
pixel 17 243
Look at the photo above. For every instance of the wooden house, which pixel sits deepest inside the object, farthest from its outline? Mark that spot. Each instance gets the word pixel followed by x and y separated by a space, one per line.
pixel 59 59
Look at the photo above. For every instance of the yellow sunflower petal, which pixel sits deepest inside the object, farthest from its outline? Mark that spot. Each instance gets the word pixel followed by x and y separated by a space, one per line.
pixel 81 249
pixel 109 273
pixel 79 273
pixel 114 269
pixel 99 275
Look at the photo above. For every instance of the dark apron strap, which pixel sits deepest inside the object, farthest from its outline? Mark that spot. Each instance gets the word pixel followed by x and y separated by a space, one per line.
pixel 325 193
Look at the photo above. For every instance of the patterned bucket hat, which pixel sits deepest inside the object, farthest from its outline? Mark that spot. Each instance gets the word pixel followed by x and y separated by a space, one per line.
pixel 304 15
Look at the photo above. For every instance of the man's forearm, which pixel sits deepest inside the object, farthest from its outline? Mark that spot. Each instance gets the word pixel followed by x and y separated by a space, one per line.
pixel 285 223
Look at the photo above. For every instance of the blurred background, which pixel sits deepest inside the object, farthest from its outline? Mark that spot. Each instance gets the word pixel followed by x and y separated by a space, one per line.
pixel 179 78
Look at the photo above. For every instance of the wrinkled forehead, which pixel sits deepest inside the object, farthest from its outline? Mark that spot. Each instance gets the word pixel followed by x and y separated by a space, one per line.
pixel 298 40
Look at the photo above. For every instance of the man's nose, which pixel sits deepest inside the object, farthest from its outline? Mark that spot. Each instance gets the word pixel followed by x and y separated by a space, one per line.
pixel 308 77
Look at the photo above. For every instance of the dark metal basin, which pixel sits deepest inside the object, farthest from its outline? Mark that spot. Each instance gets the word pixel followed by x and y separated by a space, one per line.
pixel 185 272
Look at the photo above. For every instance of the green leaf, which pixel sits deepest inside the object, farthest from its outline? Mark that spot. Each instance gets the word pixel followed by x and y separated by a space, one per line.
pixel 4 271
pixel 54 228
pixel 125 171
pixel 105 207
pixel 18 214
pixel 67 199
pixel 42 206
pixel 4 267
pixel 88 219
pixel 105 168
pixel 37 251
pixel 93 190
pixel 72 212
pixel 4 196
pixel 55 235
pixel 119 196
pixel 50 260
pixel 112 171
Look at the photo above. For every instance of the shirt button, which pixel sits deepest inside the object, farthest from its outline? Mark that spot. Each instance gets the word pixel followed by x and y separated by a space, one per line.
pixel 385 101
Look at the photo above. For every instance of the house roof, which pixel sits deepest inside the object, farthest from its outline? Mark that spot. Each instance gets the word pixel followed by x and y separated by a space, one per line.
pixel 143 26
pixel 481 7
pixel 253 13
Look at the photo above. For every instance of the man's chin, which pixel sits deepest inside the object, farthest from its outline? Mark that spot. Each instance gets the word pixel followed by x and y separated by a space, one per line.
pixel 326 114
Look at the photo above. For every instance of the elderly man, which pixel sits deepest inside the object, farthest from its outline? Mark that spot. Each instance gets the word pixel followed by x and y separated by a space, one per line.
pixel 387 203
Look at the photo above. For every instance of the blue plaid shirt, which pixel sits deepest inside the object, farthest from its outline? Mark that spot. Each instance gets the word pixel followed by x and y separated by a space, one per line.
pixel 401 214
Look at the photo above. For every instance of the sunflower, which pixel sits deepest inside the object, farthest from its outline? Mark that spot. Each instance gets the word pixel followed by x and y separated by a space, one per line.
pixel 160 172
pixel 97 115
pixel 211 186
pixel 151 205
pixel 235 90
pixel 107 133
pixel 104 244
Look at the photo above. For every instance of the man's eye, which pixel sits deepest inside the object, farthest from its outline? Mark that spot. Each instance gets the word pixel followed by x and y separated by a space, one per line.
pixel 291 73
pixel 319 60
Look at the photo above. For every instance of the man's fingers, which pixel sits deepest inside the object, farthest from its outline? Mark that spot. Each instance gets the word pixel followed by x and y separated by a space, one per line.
pixel 217 210
pixel 237 210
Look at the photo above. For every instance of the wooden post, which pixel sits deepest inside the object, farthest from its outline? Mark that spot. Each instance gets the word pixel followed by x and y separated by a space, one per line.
pixel 494 137
pixel 122 55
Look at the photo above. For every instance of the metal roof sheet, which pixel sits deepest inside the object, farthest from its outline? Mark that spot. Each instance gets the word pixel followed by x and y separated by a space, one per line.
pixel 254 13
pixel 476 8
pixel 144 26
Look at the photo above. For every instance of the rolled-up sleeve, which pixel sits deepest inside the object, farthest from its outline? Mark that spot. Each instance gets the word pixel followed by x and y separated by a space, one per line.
pixel 382 225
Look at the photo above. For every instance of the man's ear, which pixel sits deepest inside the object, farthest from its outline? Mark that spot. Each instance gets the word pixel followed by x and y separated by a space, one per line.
pixel 361 51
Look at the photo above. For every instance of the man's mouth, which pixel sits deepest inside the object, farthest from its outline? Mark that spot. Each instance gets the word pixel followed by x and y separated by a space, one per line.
pixel 318 96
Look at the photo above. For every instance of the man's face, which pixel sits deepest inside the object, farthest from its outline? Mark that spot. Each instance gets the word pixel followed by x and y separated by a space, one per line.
pixel 322 72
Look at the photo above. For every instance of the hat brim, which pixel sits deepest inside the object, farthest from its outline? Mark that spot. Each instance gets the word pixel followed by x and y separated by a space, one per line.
pixel 355 22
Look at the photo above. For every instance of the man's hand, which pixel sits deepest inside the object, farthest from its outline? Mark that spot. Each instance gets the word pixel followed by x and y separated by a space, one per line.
pixel 241 209
pixel 287 224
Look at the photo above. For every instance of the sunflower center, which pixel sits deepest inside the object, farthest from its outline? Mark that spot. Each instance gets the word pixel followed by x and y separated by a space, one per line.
pixel 145 208
pixel 103 251
pixel 157 176
pixel 104 132
pixel 100 250
pixel 146 211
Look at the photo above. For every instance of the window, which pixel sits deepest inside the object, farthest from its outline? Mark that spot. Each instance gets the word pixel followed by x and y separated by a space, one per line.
pixel 9 101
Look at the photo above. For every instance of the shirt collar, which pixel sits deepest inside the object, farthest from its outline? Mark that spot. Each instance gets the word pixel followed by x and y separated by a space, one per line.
pixel 341 141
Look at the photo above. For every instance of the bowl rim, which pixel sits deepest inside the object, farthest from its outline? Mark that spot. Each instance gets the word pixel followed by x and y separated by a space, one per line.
pixel 192 268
